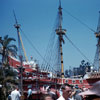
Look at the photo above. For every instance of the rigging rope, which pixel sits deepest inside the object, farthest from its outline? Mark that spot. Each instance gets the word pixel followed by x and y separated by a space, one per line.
pixel 57 58
pixel 79 20
pixel 96 59
pixel 32 44
pixel 36 49
pixel 77 49
pixel 50 52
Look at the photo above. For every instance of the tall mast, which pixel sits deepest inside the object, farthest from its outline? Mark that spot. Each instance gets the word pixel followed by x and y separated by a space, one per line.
pixel 20 47
pixel 60 32
pixel 98 42
pixel 20 43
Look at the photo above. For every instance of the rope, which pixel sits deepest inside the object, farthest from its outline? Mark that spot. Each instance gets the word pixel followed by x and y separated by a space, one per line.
pixel 35 49
pixel 77 49
pixel 79 21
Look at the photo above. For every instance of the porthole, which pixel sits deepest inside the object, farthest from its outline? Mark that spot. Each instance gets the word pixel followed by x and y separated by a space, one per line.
pixel 73 81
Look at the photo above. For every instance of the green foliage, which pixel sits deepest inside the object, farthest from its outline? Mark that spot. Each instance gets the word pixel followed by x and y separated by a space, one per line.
pixel 7 75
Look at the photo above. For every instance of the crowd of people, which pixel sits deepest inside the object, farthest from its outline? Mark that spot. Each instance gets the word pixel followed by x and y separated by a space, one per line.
pixel 66 92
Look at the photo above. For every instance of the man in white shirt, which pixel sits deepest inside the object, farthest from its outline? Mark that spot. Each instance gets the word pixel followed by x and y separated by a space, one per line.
pixel 66 92
pixel 15 94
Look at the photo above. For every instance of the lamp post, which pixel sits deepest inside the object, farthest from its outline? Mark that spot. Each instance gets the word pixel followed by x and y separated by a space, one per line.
pixel 21 75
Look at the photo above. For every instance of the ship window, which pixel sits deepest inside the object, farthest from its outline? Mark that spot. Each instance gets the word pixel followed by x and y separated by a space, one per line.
pixel 73 81
pixel 33 74
pixel 41 76
pixel 27 73
pixel 66 81
pixel 81 81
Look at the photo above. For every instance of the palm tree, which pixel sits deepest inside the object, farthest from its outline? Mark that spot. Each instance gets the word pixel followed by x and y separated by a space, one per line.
pixel 6 48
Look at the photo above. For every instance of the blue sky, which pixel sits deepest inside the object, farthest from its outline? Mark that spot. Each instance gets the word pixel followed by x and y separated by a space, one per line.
pixel 37 19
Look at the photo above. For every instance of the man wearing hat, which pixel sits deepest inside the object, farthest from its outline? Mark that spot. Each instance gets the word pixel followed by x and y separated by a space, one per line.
pixel 92 93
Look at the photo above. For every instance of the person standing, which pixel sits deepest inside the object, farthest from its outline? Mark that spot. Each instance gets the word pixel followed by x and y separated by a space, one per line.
pixel 15 94
pixel 9 95
pixel 76 95
pixel 66 92
pixel 29 94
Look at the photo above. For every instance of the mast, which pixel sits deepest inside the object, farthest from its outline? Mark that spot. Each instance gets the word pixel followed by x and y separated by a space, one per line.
pixel 20 47
pixel 20 43
pixel 98 43
pixel 60 32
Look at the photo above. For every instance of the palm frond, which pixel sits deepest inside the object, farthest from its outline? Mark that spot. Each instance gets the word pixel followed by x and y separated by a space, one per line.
pixel 13 47
pixel 5 37
pixel 8 41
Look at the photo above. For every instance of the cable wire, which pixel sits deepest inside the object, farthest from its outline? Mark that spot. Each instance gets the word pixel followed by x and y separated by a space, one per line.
pixel 79 21
pixel 35 48
pixel 77 49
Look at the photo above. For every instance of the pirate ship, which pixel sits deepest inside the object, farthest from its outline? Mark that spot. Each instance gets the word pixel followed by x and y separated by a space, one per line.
pixel 50 72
